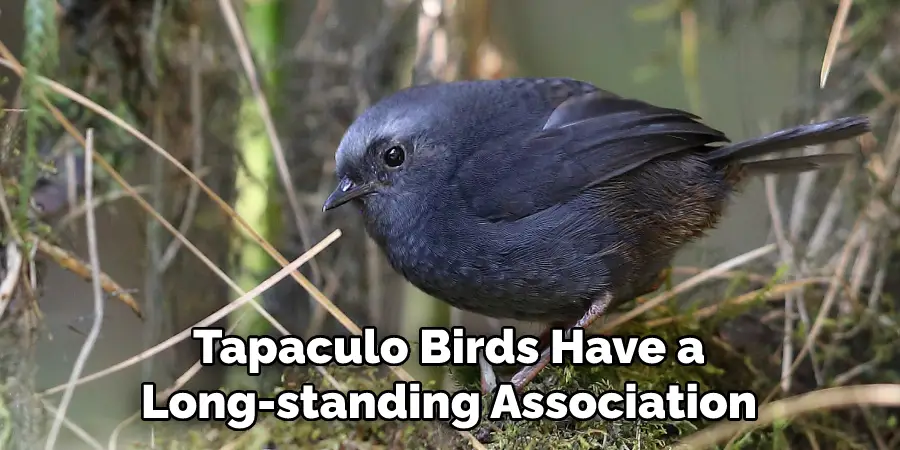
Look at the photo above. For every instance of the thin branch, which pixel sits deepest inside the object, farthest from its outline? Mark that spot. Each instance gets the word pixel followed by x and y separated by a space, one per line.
pixel 108 197
pixel 71 178
pixel 793 299
pixel 153 296
pixel 872 304
pixel 824 310
pixel 856 371
pixel 822 233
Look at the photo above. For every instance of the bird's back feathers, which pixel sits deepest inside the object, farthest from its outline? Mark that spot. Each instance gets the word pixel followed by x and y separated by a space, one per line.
pixel 592 136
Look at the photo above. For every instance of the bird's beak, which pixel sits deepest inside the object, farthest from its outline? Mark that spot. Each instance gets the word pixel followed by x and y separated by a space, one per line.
pixel 347 190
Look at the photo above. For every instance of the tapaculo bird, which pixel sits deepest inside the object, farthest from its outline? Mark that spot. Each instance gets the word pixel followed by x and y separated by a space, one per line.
pixel 546 199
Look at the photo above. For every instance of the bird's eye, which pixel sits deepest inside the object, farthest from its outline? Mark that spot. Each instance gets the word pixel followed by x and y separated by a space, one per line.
pixel 394 157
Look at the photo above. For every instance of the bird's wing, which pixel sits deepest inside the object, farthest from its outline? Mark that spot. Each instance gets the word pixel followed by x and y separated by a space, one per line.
pixel 588 139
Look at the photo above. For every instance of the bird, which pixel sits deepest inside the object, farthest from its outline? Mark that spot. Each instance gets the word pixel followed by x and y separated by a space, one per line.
pixel 547 200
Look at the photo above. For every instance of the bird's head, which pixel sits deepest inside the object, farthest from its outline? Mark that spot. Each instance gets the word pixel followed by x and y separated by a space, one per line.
pixel 399 158
pixel 402 150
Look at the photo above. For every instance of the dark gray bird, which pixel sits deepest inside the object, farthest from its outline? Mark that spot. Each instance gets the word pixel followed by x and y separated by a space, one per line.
pixel 546 199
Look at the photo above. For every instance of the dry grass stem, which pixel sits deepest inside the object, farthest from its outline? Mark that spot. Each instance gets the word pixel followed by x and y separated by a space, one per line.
pixel 825 399
pixel 114 436
pixel 75 429
pixel 7 215
pixel 14 264
pixel 837 30
pixel 776 292
pixel 94 256
pixel 78 209
pixel 729 275
pixel 688 284
pixel 786 250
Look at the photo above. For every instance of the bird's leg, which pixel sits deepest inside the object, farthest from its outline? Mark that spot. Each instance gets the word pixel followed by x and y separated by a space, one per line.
pixel 597 309
pixel 489 377
pixel 544 338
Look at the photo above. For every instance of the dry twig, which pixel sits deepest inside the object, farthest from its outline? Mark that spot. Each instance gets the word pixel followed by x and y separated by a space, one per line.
pixel 73 264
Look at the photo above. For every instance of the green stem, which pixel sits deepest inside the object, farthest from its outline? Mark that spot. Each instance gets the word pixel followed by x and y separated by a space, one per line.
pixel 255 178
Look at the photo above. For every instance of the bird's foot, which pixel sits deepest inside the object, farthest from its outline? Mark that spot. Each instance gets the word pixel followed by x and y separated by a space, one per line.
pixel 489 377
pixel 528 373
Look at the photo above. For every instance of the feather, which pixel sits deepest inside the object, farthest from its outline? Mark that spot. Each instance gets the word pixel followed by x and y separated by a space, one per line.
pixel 587 140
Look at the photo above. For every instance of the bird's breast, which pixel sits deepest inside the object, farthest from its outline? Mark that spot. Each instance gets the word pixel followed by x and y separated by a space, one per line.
pixel 500 270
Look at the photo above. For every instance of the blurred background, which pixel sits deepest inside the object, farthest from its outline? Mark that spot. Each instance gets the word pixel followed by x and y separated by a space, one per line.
pixel 172 69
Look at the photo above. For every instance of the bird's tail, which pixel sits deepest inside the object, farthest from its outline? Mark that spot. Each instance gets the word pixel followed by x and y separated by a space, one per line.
pixel 801 136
